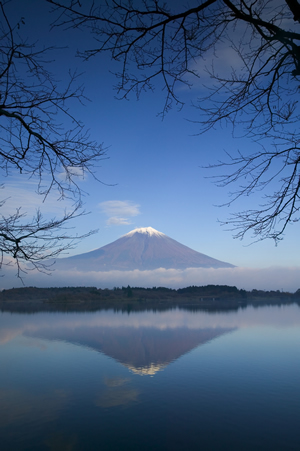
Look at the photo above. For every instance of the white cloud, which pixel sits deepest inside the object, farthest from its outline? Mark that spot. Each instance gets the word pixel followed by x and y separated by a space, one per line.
pixel 221 62
pixel 118 211
pixel 274 278
pixel 74 172
pixel 24 196
pixel 115 220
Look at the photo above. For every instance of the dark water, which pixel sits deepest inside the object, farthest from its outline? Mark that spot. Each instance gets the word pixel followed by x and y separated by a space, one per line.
pixel 173 380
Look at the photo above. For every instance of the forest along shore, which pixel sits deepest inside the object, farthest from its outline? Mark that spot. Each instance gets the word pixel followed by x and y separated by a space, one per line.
pixel 33 299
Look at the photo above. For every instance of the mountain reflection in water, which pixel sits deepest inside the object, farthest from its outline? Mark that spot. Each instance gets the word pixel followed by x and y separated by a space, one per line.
pixel 72 381
pixel 144 350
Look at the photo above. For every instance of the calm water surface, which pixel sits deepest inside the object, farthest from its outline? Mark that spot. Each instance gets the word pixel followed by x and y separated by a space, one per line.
pixel 172 380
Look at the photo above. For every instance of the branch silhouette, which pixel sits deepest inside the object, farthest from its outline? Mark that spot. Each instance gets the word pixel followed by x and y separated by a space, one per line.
pixel 160 42
pixel 40 138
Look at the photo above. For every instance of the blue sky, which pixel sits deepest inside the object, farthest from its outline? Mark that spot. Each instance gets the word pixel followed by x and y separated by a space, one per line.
pixel 153 174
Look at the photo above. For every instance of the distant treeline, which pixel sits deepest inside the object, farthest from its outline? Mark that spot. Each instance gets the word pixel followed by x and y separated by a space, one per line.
pixel 199 293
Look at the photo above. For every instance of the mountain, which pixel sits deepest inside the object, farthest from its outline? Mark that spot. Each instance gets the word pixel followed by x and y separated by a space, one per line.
pixel 143 249
pixel 144 350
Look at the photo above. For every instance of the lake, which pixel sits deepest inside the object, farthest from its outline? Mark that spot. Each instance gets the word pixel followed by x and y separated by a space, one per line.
pixel 151 380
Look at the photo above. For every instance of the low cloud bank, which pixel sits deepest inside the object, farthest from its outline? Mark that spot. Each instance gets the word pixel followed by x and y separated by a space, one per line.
pixel 273 278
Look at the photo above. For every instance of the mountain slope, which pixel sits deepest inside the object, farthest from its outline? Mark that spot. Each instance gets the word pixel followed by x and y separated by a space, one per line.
pixel 143 249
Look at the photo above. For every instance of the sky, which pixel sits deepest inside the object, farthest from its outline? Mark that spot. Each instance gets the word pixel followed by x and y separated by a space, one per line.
pixel 153 175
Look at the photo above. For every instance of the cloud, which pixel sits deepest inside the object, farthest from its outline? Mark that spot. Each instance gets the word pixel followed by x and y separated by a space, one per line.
pixel 273 278
pixel 120 208
pixel 221 63
pixel 74 172
pixel 114 220
pixel 19 404
pixel 24 196
pixel 117 397
pixel 39 328
pixel 118 211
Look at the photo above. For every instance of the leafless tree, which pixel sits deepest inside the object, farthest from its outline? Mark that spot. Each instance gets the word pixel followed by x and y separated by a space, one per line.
pixel 35 241
pixel 259 95
pixel 40 138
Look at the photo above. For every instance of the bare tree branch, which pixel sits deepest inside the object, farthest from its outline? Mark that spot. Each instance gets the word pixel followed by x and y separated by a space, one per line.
pixel 36 241
pixel 40 138
pixel 154 40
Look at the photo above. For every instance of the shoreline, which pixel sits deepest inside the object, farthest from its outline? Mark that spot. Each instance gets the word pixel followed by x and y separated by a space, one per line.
pixel 210 298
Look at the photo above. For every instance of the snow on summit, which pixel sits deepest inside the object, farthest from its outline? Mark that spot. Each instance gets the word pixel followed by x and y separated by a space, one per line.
pixel 146 230
pixel 144 249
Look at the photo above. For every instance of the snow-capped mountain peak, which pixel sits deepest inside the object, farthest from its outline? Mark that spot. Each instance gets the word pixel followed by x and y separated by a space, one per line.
pixel 147 231
pixel 144 249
